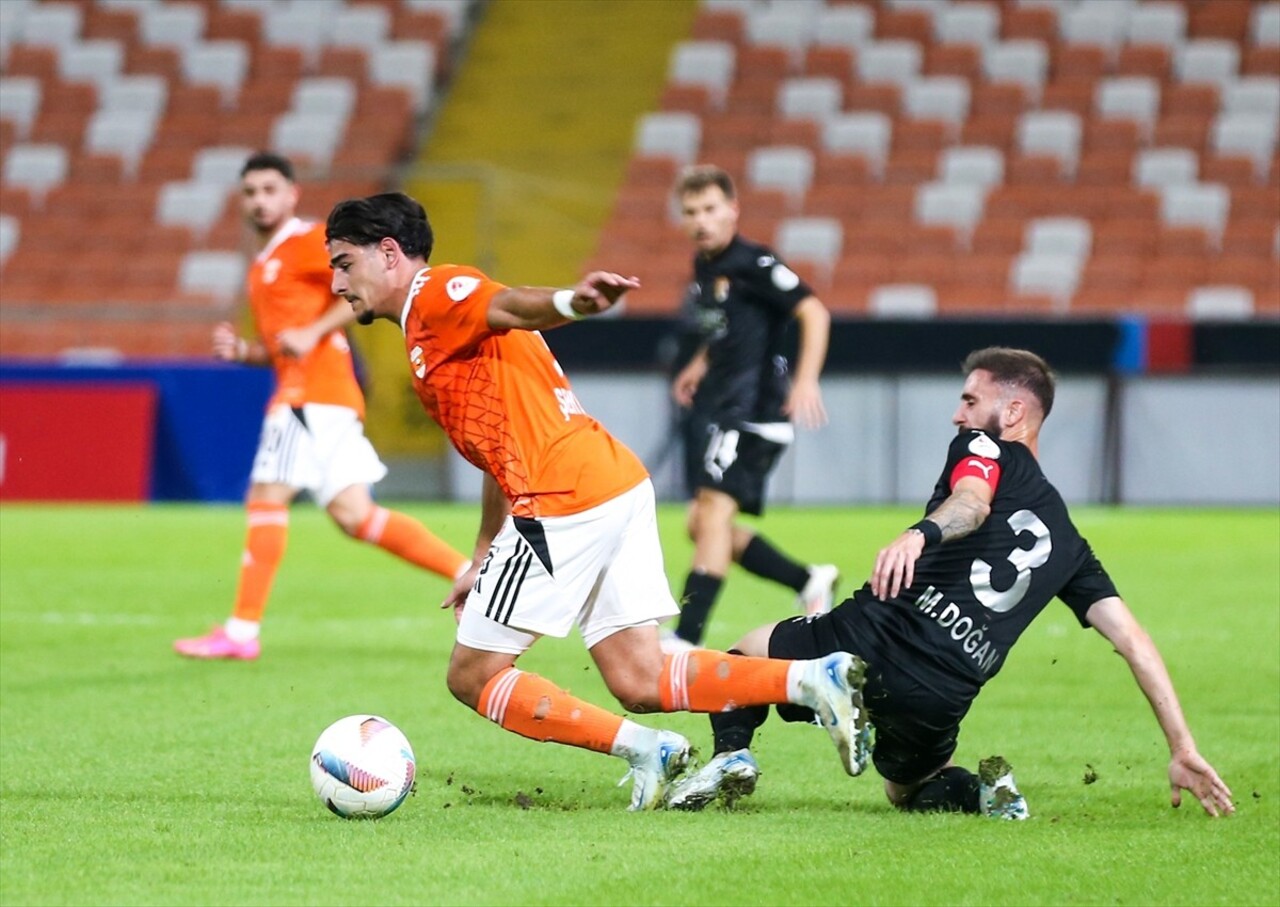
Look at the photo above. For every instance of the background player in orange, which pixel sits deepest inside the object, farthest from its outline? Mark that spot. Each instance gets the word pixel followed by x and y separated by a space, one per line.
pixel 568 530
pixel 312 435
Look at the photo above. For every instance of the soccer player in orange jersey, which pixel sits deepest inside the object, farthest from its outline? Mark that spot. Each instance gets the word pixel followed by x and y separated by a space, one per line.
pixel 568 532
pixel 312 435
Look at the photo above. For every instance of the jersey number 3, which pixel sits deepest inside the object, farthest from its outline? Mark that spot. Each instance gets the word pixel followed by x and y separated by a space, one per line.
pixel 1024 560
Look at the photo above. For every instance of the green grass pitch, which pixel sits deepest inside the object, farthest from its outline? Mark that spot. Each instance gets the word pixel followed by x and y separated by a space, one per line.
pixel 131 776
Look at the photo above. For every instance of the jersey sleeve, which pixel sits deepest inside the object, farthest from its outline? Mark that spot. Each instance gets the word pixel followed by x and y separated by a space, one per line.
pixel 455 302
pixel 768 278
pixel 1090 584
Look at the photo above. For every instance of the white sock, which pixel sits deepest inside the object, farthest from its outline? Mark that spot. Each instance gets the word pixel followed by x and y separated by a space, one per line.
pixel 632 740
pixel 240 630
pixel 795 673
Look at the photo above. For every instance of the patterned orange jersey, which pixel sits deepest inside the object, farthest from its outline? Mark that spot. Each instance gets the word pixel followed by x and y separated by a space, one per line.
pixel 504 402
pixel 288 288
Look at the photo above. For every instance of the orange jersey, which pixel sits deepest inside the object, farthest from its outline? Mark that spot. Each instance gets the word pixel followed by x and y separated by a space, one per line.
pixel 504 402
pixel 288 288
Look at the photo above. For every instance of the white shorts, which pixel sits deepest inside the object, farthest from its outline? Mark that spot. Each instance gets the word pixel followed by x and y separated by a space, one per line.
pixel 320 448
pixel 601 569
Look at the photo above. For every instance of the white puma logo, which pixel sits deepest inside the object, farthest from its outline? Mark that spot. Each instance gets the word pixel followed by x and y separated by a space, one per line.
pixel 985 467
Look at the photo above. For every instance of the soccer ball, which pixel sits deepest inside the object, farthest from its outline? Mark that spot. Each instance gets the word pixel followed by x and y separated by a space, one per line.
pixel 362 767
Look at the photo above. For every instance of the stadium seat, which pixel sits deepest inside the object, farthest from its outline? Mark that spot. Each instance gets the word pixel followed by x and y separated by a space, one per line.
pixel 786 25
pixel 20 102
pixel 815 241
pixel 1024 62
pixel 35 168
pixel 1212 60
pixel 362 26
pixel 809 98
pixel 1161 23
pixel 967 23
pixel 895 62
pixel 147 94
pixel 216 274
pixel 409 65
pixel 96 62
pixel 675 135
pixel 193 205
pixel 1157 167
pixel 1250 135
pixel 903 301
pixel 1257 95
pixel 709 64
pixel 1135 98
pixel 219 165
pixel 1054 276
pixel 848 27
pixel 50 25
pixel 10 231
pixel 1069 236
pixel 956 205
pixel 1096 24
pixel 944 98
pixel 178 25
pixel 1220 303
pixel 124 133
pixel 1055 132
pixel 325 95
pixel 287 25
pixel 313 136
pixel 222 64
pixel 785 168
pixel 1264 24
pixel 975 165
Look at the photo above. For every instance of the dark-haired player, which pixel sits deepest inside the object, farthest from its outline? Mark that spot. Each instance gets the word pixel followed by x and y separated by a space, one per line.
pixel 946 602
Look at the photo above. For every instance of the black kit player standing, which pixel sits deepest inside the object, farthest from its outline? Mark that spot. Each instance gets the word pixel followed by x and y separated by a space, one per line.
pixel 743 399
pixel 946 602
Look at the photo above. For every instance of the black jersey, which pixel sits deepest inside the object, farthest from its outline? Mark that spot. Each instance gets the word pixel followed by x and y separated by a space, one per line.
pixel 972 597
pixel 742 300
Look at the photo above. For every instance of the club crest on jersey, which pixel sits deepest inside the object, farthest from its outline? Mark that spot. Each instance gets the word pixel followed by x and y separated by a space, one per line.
pixel 721 289
pixel 271 270
pixel 984 446
pixel 459 288
pixel 418 361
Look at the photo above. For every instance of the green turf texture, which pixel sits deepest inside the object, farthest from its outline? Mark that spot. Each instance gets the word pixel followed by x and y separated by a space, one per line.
pixel 131 776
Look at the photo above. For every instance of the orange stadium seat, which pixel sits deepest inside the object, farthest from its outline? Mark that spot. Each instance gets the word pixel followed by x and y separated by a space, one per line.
pixel 1035 22
pixel 904 24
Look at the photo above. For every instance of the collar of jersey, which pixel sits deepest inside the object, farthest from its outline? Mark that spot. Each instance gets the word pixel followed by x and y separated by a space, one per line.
pixel 408 300
pixel 291 227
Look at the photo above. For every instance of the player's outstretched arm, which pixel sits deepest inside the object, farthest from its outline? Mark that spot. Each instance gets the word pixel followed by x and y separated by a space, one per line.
pixel 1188 770
pixel 960 514
pixel 804 403
pixel 539 308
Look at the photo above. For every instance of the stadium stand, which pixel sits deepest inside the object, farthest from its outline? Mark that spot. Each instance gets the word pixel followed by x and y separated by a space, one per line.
pixel 1020 156
pixel 123 126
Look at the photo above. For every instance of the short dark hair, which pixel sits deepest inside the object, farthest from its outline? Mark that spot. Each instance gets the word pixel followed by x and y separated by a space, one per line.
pixel 366 221
pixel 269 160
pixel 1021 368
pixel 697 177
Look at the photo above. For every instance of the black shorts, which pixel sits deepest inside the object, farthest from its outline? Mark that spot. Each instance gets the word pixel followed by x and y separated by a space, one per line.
pixel 916 723
pixel 730 459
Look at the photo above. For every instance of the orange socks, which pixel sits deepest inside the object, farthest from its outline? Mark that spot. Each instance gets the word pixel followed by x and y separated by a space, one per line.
pixel 263 550
pixel 701 680
pixel 407 538
pixel 534 707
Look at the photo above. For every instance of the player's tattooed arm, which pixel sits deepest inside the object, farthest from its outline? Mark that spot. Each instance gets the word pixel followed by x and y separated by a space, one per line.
pixel 963 512
pixel 960 514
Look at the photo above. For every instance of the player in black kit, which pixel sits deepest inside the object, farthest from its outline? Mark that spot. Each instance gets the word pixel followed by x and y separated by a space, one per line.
pixel 743 401
pixel 947 600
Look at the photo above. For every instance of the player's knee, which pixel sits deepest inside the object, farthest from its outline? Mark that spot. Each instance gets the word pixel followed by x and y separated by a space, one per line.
pixel 636 694
pixel 462 684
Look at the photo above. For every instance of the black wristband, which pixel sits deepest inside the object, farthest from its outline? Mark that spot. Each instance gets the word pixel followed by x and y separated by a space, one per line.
pixel 931 531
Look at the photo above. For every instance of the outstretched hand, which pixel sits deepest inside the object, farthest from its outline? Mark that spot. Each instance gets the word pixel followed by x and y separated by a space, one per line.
pixel 457 596
pixel 1189 771
pixel 600 290
pixel 895 567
